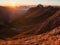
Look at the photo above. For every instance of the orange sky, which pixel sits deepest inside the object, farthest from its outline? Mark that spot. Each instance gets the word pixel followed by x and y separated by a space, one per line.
pixel 18 4
pixel 25 4
pixel 29 2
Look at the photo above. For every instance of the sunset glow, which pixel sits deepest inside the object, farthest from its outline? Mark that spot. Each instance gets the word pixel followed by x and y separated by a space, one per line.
pixel 28 2
pixel 13 5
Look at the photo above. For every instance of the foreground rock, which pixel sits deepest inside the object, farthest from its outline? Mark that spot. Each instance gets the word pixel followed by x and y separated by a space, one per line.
pixel 49 38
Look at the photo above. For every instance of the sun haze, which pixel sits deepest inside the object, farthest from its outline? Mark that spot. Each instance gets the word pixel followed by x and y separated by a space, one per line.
pixel 13 5
pixel 29 2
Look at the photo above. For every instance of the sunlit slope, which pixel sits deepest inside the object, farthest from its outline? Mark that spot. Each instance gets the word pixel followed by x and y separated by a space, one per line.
pixel 50 38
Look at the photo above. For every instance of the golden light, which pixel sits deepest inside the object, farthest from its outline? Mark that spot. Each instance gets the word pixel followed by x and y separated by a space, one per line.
pixel 13 5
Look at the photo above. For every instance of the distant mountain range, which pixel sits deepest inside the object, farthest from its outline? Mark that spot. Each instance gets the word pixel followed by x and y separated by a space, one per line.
pixel 37 20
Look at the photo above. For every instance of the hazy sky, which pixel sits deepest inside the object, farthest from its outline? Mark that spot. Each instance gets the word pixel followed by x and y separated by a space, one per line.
pixel 31 2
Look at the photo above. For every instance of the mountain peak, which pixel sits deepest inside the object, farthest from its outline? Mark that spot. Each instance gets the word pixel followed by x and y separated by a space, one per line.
pixel 41 6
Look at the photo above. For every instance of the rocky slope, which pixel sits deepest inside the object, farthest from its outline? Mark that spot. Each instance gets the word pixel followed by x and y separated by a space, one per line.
pixel 49 38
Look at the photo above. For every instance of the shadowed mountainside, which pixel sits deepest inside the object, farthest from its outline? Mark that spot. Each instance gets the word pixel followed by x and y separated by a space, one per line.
pixel 38 26
pixel 38 20
pixel 5 30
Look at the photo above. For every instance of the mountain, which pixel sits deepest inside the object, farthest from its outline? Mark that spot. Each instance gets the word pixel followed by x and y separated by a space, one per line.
pixel 6 29
pixel 38 20
pixel 40 25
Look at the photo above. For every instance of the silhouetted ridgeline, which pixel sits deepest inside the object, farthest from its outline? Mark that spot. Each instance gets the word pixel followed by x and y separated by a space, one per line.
pixel 37 20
